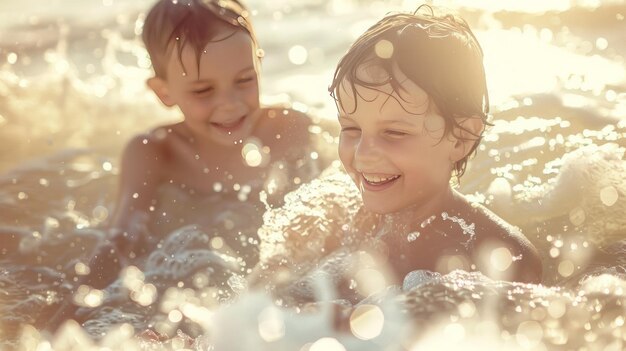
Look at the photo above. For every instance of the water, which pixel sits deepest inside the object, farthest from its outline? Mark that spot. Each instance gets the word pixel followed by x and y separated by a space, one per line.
pixel 72 92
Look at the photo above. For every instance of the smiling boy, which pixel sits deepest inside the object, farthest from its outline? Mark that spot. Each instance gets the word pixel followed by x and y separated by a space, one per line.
pixel 413 104
pixel 206 62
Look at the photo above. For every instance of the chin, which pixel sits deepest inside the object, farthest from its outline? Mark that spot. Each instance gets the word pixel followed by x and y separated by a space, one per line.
pixel 378 208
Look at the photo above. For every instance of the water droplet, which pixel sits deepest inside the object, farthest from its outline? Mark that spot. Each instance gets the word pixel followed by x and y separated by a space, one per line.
pixel 254 158
pixel 237 283
pixel 566 268
pixel 12 58
pixel 81 268
pixel 577 216
pixel 413 236
pixel 175 316
pixel 384 49
pixel 554 252
pixel 609 195
pixel 217 187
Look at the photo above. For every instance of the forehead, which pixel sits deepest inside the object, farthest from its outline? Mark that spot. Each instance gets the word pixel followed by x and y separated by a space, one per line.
pixel 230 51
pixel 388 90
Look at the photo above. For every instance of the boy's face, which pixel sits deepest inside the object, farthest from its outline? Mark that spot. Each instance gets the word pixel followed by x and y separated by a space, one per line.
pixel 221 102
pixel 393 147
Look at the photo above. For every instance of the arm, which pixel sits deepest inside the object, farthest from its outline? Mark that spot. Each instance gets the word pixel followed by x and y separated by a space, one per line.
pixel 528 268
pixel 139 179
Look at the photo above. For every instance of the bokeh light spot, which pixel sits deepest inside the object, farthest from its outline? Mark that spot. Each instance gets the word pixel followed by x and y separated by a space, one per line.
pixel 367 321
pixel 384 49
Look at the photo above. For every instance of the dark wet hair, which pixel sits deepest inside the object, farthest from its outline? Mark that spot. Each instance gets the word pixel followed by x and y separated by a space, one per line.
pixel 437 52
pixel 175 23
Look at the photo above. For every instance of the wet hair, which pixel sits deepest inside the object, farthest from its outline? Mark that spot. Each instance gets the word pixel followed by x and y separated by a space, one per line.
pixel 173 24
pixel 437 52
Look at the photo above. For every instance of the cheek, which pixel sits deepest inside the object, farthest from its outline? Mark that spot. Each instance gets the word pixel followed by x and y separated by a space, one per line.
pixel 251 95
pixel 346 153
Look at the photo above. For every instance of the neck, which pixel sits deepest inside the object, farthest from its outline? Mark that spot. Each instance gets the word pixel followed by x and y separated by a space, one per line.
pixel 204 146
pixel 412 216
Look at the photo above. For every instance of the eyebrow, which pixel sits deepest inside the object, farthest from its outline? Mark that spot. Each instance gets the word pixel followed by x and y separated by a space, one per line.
pixel 383 122
pixel 396 122
pixel 249 68
pixel 201 82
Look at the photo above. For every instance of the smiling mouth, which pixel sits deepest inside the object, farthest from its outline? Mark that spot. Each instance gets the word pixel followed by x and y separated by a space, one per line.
pixel 378 182
pixel 229 126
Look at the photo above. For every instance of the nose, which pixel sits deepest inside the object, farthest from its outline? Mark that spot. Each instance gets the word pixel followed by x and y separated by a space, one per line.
pixel 366 153
pixel 227 101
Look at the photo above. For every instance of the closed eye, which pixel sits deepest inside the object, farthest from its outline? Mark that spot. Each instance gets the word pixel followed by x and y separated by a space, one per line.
pixel 396 133
pixel 350 129
pixel 245 80
pixel 201 91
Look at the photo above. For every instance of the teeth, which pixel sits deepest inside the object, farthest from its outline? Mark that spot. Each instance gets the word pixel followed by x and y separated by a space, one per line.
pixel 228 124
pixel 374 179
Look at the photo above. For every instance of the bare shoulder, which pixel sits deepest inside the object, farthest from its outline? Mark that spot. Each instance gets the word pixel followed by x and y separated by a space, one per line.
pixel 148 152
pixel 493 232
pixel 289 130
pixel 153 144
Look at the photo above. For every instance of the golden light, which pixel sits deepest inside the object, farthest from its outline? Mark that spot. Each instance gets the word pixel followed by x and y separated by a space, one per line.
pixel 609 196
pixel 367 321
pixel 369 281
pixel 81 268
pixel 566 268
pixel 557 309
pixel 384 49
pixel 529 334
pixel 327 344
pixel 88 296
pixel 252 153
pixel 271 324
pixel 577 216
pixel 501 259
pixel 144 296
pixel 175 316
pixel 454 332
pixel 298 54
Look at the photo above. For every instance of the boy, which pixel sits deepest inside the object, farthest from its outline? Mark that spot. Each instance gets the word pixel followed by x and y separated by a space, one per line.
pixel 413 103
pixel 207 63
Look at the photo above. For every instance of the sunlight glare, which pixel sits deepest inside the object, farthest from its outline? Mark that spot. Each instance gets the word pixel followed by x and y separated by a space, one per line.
pixel 367 321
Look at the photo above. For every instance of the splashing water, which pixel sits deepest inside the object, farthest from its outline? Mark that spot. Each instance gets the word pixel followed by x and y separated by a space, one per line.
pixel 72 93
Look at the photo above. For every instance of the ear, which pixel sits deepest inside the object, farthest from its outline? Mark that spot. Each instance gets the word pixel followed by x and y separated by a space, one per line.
pixel 466 137
pixel 160 88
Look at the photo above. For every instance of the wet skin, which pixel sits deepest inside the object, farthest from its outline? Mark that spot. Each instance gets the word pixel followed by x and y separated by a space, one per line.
pixel 394 146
